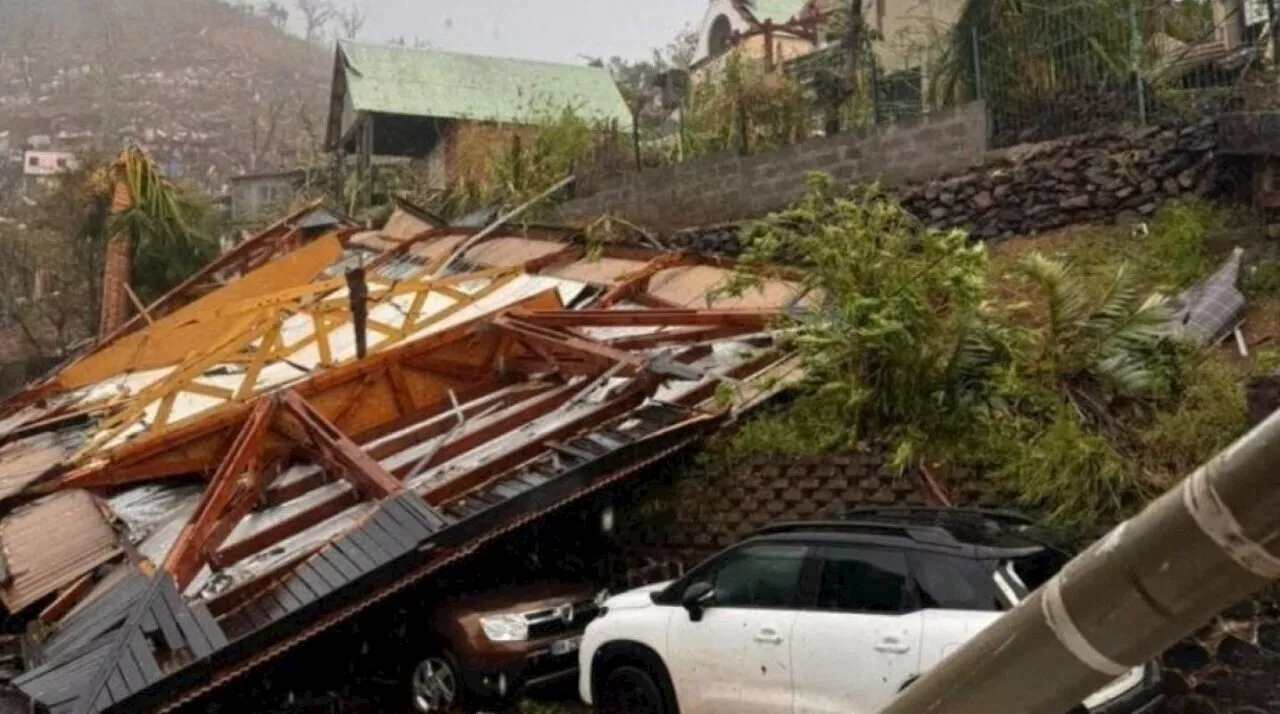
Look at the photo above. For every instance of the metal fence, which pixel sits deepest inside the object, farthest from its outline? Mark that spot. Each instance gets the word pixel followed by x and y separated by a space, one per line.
pixel 1045 69
pixel 1050 68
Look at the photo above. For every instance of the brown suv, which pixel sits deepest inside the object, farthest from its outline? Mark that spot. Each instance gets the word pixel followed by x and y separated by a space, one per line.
pixel 491 645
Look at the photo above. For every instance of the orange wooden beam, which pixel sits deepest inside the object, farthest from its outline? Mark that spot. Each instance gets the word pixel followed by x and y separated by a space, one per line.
pixel 665 337
pixel 569 352
pixel 639 280
pixel 242 459
pixel 352 462
pixel 669 317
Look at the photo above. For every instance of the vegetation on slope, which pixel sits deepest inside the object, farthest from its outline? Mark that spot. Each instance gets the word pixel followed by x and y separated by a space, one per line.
pixel 1049 378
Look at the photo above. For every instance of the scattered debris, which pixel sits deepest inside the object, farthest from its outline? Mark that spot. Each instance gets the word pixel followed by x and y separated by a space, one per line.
pixel 271 473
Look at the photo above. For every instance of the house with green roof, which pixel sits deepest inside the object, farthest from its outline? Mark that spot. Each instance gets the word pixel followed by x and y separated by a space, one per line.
pixel 397 101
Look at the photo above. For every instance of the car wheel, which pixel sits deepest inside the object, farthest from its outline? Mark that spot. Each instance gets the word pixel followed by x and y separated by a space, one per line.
pixel 631 690
pixel 435 685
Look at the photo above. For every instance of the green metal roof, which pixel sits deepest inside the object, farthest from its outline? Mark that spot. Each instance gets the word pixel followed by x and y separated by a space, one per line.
pixel 396 80
pixel 779 11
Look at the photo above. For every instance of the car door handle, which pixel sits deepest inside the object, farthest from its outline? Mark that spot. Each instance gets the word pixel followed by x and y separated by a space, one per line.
pixel 768 636
pixel 892 645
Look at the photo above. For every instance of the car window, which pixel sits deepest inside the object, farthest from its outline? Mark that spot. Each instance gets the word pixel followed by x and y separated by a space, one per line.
pixel 863 580
pixel 1035 570
pixel 952 583
pixel 764 575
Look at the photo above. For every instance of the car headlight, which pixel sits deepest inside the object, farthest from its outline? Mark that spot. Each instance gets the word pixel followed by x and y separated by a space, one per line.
pixel 601 597
pixel 505 628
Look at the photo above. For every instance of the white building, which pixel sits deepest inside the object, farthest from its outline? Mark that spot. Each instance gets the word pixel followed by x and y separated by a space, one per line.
pixel 48 163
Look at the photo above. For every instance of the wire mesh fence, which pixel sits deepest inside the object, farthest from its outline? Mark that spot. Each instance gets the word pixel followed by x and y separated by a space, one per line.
pixel 1050 68
pixel 1045 69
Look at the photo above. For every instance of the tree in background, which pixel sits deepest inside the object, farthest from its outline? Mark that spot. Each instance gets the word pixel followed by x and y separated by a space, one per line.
pixel 277 14
pixel 53 263
pixel 654 87
pixel 351 22
pixel 315 15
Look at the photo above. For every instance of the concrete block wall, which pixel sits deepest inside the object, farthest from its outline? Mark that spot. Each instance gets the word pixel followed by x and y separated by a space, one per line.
pixel 712 511
pixel 730 187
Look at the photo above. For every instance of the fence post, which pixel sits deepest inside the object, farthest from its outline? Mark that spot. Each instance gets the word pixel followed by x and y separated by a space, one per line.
pixel 1135 61
pixel 874 88
pixel 977 62
pixel 1273 26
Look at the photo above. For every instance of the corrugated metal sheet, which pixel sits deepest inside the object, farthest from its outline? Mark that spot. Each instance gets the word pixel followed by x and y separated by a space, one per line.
pixel 423 83
pixel 604 271
pixel 688 287
pixel 23 462
pixel 776 11
pixel 403 225
pixel 506 252
pixel 50 544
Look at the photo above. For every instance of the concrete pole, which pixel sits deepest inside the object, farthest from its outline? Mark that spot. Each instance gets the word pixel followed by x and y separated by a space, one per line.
pixel 1203 546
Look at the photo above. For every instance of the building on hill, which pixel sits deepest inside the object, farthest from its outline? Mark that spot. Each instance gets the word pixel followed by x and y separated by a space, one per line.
pixel 43 168
pixel 395 101
pixel 784 32
pixel 770 30
pixel 256 197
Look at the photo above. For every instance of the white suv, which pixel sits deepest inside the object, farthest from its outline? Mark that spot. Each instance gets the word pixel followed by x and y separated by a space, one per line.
pixel 819 618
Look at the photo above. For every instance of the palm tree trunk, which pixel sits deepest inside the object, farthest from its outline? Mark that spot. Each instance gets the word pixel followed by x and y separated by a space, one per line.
pixel 116 268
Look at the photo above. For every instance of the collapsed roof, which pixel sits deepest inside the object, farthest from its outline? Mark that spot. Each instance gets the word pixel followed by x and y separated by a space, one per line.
pixel 328 414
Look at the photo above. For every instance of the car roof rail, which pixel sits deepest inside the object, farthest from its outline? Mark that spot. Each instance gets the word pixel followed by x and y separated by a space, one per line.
pixel 923 533
pixel 1009 523
pixel 938 515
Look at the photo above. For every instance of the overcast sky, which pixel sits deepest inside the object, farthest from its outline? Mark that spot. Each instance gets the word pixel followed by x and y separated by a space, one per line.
pixel 555 30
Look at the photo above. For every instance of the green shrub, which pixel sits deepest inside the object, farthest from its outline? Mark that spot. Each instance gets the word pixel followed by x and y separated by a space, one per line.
pixel 1206 420
pixel 1261 279
pixel 1068 396
pixel 1175 252
pixel 1067 473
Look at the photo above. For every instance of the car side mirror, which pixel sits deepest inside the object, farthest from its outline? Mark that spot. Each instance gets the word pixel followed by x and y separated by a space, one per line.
pixel 696 598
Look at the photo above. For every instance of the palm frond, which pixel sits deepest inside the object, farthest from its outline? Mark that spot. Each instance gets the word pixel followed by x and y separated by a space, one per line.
pixel 1139 329
pixel 1065 297
pixel 1126 373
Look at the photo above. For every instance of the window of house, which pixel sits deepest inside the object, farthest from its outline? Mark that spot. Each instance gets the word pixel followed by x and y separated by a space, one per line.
pixel 33 161
pixel 765 575
pixel 718 38
pixel 864 580
pixel 62 163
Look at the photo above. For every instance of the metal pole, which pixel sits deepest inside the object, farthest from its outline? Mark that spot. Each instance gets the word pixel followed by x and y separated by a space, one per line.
pixel 1273 26
pixel 977 62
pixel 1135 61
pixel 1195 551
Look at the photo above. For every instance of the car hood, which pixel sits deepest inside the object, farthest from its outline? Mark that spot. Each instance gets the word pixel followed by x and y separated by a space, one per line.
pixel 635 599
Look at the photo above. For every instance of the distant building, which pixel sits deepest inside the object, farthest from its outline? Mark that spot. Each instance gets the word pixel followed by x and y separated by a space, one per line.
pixel 258 197
pixel 39 142
pixel 40 164
pixel 770 30
pixel 393 101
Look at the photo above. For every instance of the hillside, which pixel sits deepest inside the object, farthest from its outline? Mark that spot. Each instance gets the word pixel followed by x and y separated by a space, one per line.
pixel 210 88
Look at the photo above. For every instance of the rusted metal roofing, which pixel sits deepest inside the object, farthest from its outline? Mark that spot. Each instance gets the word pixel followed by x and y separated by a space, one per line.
pixel 506 252
pixel 603 271
pixel 689 287
pixel 50 544
pixel 24 462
